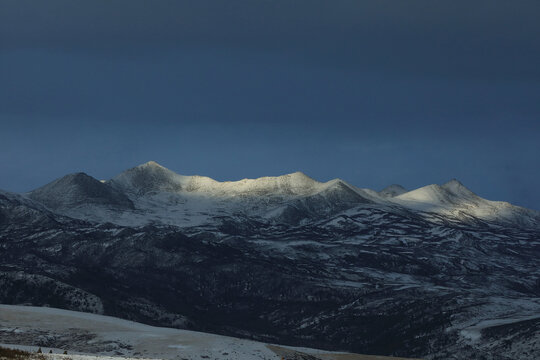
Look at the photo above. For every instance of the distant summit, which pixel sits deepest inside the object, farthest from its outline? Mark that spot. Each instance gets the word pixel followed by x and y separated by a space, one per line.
pixel 79 189
pixel 458 189
pixel 148 177
pixel 452 192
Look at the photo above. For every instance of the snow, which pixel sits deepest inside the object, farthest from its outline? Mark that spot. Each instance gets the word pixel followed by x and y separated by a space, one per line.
pixel 154 342
pixel 57 354
pixel 427 196
pixel 133 339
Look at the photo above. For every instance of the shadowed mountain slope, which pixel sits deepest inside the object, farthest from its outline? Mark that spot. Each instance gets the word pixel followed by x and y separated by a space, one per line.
pixel 79 189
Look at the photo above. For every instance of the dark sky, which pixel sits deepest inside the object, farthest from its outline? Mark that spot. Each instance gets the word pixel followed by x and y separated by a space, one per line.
pixel 374 92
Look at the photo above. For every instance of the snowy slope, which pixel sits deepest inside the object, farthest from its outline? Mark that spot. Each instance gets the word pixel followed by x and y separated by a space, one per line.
pixel 453 199
pixel 79 189
pixel 109 336
pixel 17 209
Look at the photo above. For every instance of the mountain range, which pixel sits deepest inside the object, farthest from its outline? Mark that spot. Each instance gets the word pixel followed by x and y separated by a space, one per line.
pixel 434 272
pixel 150 193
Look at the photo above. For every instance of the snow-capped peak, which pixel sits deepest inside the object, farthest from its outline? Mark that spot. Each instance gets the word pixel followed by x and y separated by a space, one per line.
pixel 451 193
pixel 454 199
pixel 148 177
pixel 151 164
pixel 458 189
pixel 79 189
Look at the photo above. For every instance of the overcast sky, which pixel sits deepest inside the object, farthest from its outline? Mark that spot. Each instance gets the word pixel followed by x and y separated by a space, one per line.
pixel 374 92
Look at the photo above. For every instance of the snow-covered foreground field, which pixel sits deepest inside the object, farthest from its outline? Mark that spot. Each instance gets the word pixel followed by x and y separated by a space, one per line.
pixel 86 336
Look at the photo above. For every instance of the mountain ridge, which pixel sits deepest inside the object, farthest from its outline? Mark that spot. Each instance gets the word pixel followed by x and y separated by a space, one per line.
pixel 151 175
pixel 151 193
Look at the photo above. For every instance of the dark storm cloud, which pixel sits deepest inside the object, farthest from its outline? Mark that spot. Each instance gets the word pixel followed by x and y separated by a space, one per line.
pixel 498 40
